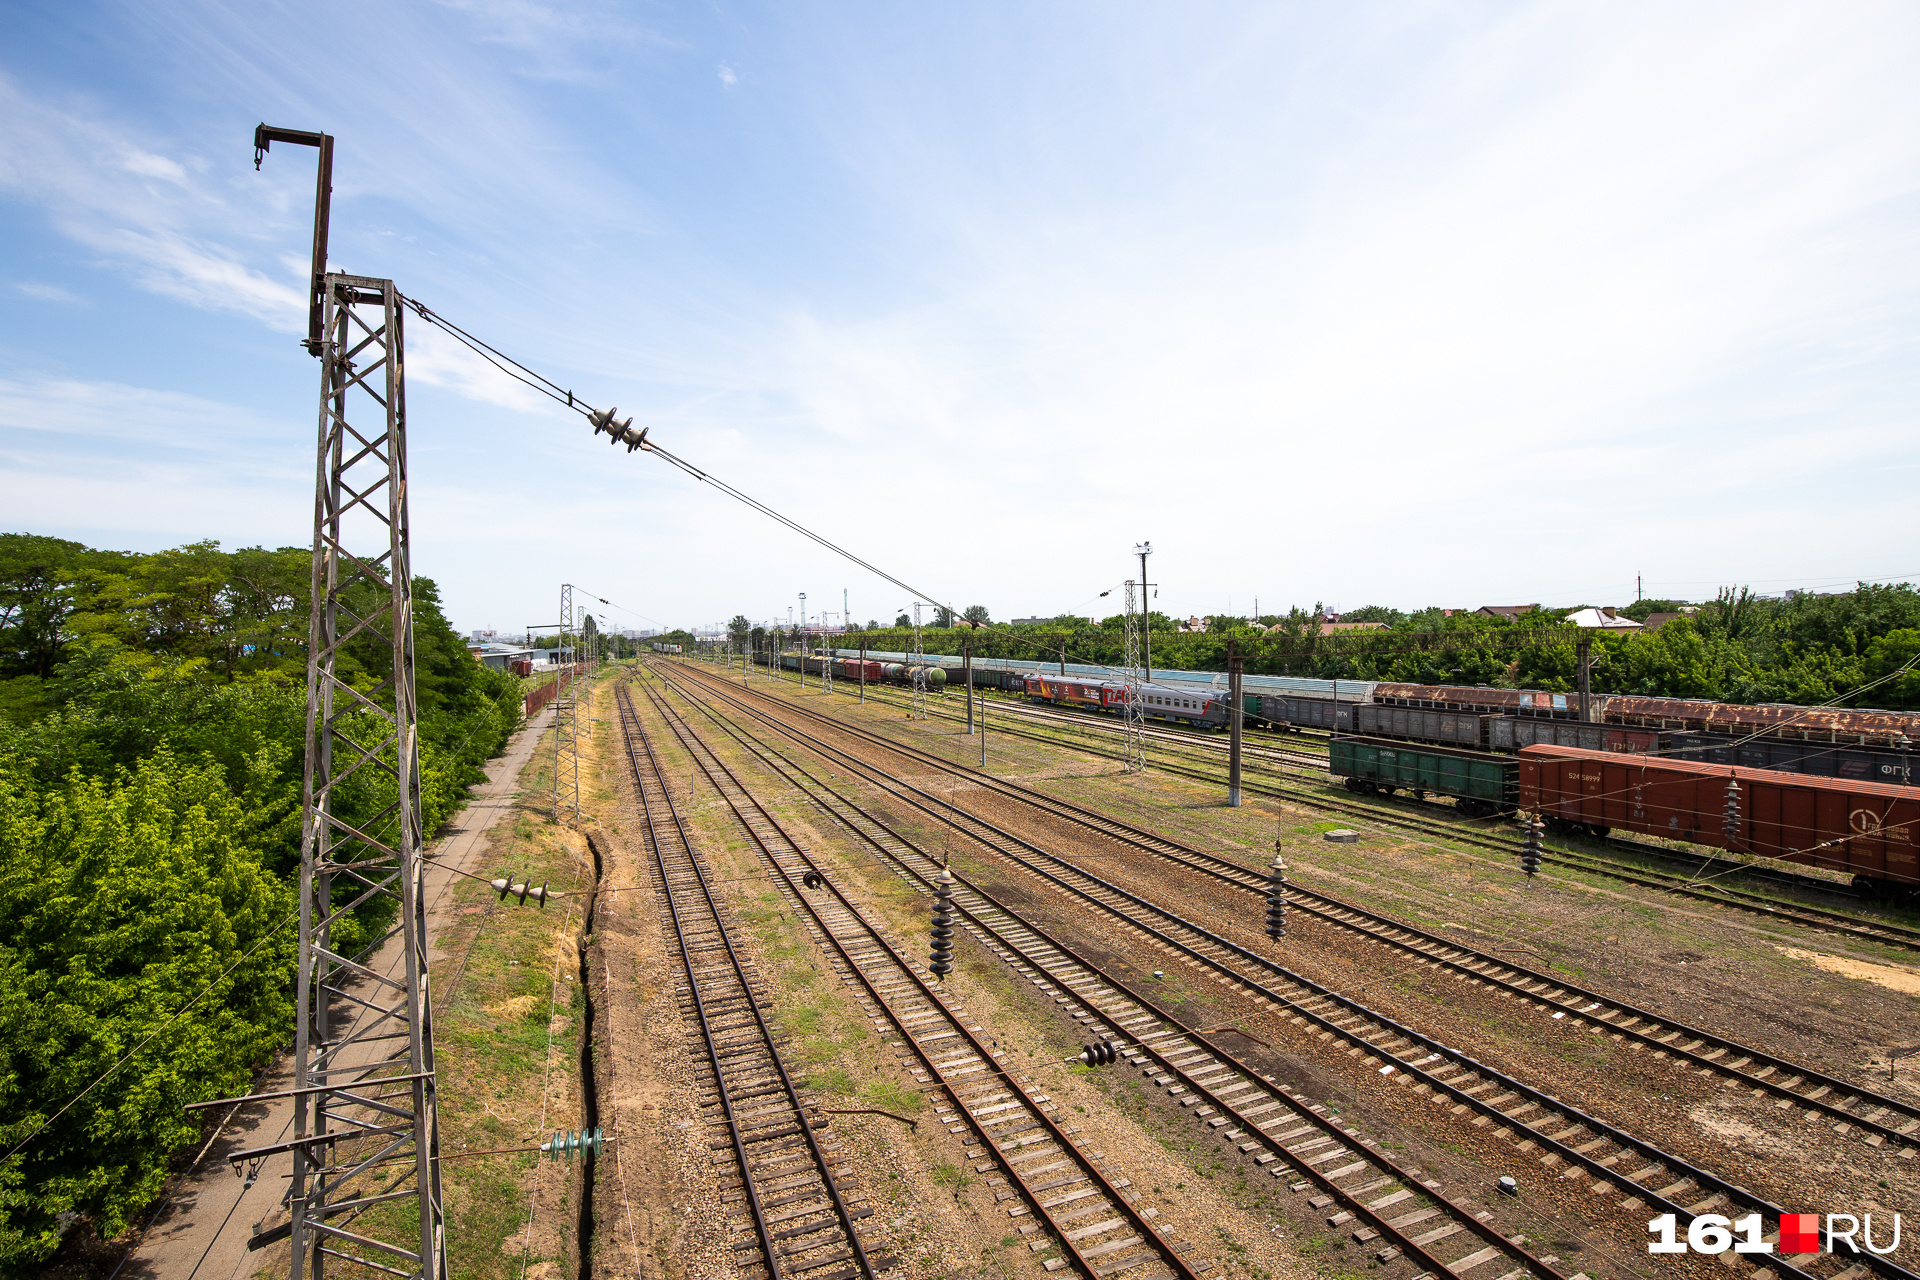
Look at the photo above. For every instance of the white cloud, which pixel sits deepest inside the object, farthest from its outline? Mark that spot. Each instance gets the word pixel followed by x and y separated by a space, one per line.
pixel 40 291
pixel 728 78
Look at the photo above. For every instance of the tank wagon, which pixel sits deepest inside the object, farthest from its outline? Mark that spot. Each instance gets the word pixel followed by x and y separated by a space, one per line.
pixel 1863 829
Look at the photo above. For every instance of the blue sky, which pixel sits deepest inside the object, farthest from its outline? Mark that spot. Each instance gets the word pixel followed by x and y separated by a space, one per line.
pixel 1399 304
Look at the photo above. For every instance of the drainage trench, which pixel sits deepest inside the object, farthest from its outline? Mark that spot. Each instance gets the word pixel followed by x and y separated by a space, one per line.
pixel 589 1079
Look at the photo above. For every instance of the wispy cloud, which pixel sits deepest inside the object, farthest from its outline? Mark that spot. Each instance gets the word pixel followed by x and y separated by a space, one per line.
pixel 42 292
pixel 728 78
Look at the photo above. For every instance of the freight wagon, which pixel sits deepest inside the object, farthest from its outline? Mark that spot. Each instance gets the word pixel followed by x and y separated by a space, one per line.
pixel 1311 710
pixel 1864 829
pixel 1455 728
pixel 1482 784
pixel 1792 755
pixel 1510 733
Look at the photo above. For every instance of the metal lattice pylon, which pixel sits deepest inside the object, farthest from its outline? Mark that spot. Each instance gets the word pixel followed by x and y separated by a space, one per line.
pixel 566 722
pixel 365 1114
pixel 919 668
pixel 1132 713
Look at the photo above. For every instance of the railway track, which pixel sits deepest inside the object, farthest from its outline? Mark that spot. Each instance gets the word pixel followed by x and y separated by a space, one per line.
pixel 1691 885
pixel 1068 1200
pixel 1395 1210
pixel 1872 1116
pixel 793 1188
pixel 1569 1141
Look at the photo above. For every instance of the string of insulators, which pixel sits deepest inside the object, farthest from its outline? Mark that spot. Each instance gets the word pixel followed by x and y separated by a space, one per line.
pixel 618 432
pixel 1530 853
pixel 1730 815
pixel 502 887
pixel 1277 897
pixel 940 959
pixel 565 1144
pixel 1101 1053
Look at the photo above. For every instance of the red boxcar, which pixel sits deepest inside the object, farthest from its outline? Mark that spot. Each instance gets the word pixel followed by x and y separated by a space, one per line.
pixel 1867 829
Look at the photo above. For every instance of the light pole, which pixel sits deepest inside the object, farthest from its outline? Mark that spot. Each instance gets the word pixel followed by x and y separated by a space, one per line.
pixel 803 639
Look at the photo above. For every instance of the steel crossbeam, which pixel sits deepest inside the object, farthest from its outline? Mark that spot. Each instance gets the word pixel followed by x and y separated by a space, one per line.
pixel 361 823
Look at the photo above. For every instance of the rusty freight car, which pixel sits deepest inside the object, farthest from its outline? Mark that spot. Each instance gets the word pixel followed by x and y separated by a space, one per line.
pixel 1865 829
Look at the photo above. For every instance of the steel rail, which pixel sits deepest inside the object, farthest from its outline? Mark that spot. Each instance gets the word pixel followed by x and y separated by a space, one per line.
pixel 1093 1262
pixel 1752 1067
pixel 1806 914
pixel 763 1230
pixel 1386 1215
pixel 1474 1077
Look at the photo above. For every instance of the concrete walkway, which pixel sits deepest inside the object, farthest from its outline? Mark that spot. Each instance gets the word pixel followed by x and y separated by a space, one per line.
pixel 202 1232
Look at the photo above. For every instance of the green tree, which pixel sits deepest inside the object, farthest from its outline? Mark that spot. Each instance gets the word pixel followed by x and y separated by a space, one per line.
pixel 977 613
pixel 120 899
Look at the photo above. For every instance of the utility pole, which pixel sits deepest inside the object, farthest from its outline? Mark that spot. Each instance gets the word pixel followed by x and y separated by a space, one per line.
pixel 919 669
pixel 863 672
pixel 566 722
pixel 1236 713
pixel 1585 648
pixel 1143 550
pixel 362 570
pixel 803 640
pixel 966 659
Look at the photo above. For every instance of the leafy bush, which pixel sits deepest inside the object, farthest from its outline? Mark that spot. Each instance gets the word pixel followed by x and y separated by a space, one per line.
pixel 120 899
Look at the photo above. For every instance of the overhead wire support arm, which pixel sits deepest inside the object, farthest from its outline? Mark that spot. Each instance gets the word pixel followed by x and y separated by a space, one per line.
pixel 264 136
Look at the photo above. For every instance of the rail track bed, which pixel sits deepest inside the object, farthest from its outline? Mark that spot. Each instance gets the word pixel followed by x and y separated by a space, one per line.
pixel 802 1218
pixel 1397 1212
pixel 1851 1108
pixel 1701 881
pixel 1071 1209
pixel 1612 1161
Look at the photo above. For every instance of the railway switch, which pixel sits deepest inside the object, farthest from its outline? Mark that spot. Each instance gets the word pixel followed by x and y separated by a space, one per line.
pixel 940 959
pixel 1101 1053
pixel 1277 898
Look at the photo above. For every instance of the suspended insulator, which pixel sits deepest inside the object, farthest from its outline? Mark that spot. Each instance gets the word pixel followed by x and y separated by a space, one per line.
pixel 940 959
pixel 1730 815
pixel 618 432
pixel 565 1144
pixel 520 891
pixel 812 880
pixel 1277 898
pixel 1101 1053
pixel 1530 854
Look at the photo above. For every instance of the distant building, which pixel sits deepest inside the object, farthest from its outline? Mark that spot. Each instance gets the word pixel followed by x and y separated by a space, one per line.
pixel 1602 619
pixel 1353 626
pixel 501 656
pixel 1655 621
pixel 1510 612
